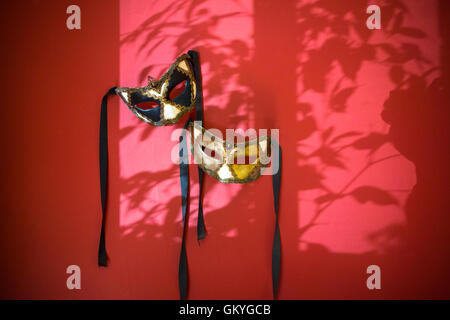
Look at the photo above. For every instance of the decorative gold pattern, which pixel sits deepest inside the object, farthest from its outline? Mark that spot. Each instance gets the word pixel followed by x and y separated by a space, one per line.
pixel 158 90
pixel 222 166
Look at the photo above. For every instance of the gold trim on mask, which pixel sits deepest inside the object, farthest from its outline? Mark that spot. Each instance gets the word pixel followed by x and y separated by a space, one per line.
pixel 170 112
pixel 222 165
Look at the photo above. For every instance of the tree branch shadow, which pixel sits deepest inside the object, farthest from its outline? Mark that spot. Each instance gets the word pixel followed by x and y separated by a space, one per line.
pixel 329 48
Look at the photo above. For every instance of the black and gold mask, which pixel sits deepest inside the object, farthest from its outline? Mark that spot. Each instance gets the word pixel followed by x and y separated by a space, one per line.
pixel 168 107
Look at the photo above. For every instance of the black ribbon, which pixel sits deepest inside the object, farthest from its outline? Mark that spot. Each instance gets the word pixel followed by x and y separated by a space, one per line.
pixel 201 230
pixel 184 180
pixel 276 248
pixel 103 157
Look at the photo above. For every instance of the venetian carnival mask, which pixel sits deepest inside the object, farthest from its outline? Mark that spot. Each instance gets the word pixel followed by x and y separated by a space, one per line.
pixel 162 102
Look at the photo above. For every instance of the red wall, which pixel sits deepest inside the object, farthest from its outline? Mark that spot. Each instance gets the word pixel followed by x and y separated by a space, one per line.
pixel 313 71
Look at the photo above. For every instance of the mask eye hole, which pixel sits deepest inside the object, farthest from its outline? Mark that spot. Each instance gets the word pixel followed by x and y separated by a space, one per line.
pixel 147 105
pixel 209 152
pixel 246 153
pixel 177 90
pixel 244 158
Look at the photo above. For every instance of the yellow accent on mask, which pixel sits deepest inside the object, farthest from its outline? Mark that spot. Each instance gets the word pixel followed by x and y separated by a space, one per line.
pixel 243 170
pixel 227 170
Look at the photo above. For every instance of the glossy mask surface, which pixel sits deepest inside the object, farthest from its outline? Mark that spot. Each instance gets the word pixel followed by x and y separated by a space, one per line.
pixel 167 110
pixel 213 156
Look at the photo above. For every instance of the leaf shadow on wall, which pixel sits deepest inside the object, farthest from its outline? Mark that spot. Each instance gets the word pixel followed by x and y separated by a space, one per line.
pixel 226 59
pixel 306 273
pixel 415 111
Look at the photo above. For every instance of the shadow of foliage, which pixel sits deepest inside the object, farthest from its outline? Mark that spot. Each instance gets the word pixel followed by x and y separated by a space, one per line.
pixel 328 40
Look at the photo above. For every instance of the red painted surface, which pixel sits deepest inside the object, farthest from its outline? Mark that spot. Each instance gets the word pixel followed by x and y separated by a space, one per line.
pixel 313 71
